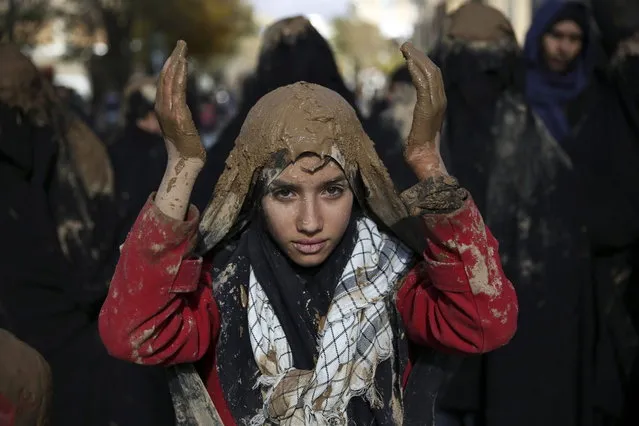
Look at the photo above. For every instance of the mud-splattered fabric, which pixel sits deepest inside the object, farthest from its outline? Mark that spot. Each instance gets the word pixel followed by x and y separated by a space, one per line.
pixel 183 309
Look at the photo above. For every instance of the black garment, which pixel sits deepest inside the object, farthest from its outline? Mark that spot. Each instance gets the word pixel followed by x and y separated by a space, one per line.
pixel 475 81
pixel 139 160
pixel 617 20
pixel 299 296
pixel 605 152
pixel 566 218
pixel 544 375
pixel 53 273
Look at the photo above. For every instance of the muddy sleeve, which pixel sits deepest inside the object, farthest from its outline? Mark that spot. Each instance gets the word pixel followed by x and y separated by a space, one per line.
pixel 434 196
pixel 457 298
pixel 25 383
pixel 160 308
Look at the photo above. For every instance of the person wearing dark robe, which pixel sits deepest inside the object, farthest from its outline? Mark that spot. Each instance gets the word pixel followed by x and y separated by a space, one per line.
pixel 138 155
pixel 479 58
pixel 623 71
pixel 575 228
pixel 300 303
pixel 497 148
pixel 56 215
pixel 584 106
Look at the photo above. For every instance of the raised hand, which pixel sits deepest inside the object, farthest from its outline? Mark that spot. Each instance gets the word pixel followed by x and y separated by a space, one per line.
pixel 421 149
pixel 175 118
pixel 186 155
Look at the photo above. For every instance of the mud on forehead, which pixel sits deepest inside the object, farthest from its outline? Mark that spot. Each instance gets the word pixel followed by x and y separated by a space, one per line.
pixel 301 118
pixel 313 163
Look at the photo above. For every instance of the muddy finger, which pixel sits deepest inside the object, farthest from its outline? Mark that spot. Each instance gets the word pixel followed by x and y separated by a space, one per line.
pixel 179 86
pixel 160 96
pixel 169 82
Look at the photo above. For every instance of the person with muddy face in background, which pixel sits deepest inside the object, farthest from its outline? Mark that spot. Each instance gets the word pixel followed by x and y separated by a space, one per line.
pixel 313 293
pixel 56 216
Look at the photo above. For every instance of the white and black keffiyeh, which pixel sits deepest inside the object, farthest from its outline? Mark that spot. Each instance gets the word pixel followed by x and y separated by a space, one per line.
pixel 357 336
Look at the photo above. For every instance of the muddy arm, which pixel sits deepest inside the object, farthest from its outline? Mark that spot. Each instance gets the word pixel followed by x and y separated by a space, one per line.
pixel 186 155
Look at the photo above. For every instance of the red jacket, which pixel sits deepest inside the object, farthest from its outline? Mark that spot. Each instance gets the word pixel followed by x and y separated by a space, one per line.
pixel 160 308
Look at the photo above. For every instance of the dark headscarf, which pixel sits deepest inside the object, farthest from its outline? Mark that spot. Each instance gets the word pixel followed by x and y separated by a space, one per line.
pixel 548 92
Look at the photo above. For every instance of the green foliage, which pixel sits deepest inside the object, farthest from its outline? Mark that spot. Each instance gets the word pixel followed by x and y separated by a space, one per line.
pixel 208 26
pixel 22 20
pixel 364 45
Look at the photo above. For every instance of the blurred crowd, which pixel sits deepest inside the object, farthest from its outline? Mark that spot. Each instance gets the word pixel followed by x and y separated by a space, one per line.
pixel 545 136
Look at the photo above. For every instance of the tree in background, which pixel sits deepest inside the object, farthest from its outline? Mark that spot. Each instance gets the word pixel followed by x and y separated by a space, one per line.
pixel 127 27
pixel 363 52
pixel 21 20
pixel 210 27
pixel 362 44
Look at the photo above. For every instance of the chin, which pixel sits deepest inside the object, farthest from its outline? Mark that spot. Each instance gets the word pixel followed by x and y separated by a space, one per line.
pixel 309 261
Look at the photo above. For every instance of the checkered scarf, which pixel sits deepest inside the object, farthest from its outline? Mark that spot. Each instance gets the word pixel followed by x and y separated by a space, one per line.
pixel 356 338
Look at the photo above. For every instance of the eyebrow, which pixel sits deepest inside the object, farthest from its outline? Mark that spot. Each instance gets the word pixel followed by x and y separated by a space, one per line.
pixel 279 184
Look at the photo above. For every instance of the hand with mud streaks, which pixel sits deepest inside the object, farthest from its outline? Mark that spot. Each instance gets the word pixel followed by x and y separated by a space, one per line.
pixel 186 155
pixel 421 149
pixel 181 136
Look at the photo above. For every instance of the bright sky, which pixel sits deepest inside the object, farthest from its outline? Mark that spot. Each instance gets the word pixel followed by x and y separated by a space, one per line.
pixel 281 8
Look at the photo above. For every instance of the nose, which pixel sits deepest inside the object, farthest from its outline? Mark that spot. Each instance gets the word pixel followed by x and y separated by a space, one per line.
pixel 309 218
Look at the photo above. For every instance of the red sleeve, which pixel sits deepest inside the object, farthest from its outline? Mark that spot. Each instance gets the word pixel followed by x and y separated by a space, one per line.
pixel 160 307
pixel 457 298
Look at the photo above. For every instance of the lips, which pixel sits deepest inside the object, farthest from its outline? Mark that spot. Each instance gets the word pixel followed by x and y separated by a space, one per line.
pixel 309 247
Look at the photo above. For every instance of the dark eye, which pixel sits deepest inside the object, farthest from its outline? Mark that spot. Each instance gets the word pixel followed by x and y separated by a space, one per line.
pixel 283 194
pixel 334 191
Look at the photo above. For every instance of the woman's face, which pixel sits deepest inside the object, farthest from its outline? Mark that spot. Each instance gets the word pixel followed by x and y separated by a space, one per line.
pixel 307 209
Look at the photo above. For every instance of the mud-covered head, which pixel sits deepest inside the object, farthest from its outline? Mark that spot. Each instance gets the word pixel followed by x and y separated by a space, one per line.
pixel 294 123
pixel 22 86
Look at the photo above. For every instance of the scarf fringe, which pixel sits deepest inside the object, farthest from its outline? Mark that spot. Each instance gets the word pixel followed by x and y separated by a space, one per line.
pixel 258 420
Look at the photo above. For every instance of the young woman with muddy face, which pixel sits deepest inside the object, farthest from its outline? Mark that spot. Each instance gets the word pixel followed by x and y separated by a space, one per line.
pixel 300 291
pixel 307 209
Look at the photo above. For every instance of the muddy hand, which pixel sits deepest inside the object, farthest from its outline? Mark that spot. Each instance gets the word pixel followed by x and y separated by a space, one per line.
pixel 173 114
pixel 422 145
